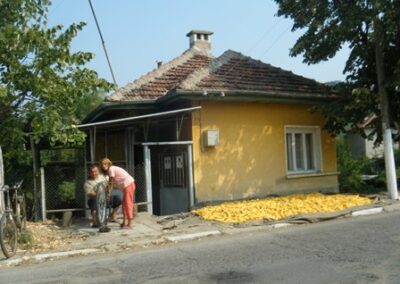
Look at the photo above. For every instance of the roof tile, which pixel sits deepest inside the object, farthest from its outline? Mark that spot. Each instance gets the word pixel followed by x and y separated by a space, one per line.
pixel 231 71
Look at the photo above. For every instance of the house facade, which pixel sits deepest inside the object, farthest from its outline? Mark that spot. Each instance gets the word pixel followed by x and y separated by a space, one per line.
pixel 202 129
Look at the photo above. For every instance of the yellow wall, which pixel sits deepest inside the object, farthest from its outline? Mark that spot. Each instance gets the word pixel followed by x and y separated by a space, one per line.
pixel 250 160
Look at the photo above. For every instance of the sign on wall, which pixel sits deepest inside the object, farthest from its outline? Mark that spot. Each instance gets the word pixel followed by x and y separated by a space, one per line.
pixel 179 161
pixel 167 163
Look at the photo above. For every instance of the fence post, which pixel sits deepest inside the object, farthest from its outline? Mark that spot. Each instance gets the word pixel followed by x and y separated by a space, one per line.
pixel 43 194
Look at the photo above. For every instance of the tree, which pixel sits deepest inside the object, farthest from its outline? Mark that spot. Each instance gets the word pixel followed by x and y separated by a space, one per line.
pixel 371 28
pixel 41 80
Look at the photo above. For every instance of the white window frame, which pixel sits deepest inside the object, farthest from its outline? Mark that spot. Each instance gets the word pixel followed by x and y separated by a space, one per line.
pixel 315 131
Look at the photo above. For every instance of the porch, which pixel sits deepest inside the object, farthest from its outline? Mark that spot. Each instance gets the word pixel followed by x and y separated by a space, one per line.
pixel 156 149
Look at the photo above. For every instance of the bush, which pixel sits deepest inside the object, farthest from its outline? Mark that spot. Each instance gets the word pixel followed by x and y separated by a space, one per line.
pixel 66 191
pixel 351 171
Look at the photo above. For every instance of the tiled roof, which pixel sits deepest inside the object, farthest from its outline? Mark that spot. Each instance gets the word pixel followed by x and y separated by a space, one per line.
pixel 242 73
pixel 158 82
pixel 232 71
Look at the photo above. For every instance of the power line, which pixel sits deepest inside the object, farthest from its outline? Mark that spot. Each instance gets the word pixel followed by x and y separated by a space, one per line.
pixel 56 7
pixel 102 42
pixel 264 35
pixel 266 51
pixel 276 40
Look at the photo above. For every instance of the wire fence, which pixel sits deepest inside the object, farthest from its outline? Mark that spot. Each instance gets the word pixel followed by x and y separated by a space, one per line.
pixel 63 177
pixel 64 186
pixel 140 192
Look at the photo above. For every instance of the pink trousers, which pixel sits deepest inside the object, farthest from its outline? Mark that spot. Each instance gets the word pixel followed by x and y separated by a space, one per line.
pixel 127 201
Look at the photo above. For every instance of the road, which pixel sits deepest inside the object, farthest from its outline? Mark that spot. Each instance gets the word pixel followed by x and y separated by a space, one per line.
pixel 355 250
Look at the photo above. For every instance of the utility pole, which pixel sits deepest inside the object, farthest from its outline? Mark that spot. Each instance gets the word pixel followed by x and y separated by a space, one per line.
pixel 390 167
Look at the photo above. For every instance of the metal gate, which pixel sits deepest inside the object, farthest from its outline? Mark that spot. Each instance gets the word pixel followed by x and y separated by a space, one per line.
pixel 174 190
pixel 168 176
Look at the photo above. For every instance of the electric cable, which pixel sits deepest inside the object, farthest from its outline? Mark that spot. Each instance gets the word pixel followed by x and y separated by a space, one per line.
pixel 102 42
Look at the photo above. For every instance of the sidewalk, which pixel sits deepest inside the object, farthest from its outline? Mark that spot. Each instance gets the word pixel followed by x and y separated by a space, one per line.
pixel 155 230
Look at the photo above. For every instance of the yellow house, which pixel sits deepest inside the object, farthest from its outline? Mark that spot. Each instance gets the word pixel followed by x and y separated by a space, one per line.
pixel 201 129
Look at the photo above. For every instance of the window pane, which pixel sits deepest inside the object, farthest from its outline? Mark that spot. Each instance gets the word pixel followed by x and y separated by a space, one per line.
pixel 299 151
pixel 289 151
pixel 309 151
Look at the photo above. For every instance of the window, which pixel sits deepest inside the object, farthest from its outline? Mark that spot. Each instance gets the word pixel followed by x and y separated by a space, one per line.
pixel 303 152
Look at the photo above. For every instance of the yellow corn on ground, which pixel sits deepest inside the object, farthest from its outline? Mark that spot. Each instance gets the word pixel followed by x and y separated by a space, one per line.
pixel 277 208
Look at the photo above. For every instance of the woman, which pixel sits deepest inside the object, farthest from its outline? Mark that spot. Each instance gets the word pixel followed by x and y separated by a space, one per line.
pixel 120 179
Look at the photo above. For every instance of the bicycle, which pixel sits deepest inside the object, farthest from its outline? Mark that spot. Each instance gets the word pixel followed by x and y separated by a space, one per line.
pixel 19 207
pixel 103 205
pixel 8 227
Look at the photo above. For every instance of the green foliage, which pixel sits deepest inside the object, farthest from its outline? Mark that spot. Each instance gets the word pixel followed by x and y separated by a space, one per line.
pixel 66 155
pixel 350 169
pixel 329 25
pixel 60 187
pixel 42 82
pixel 26 238
pixel 348 113
pixel 66 191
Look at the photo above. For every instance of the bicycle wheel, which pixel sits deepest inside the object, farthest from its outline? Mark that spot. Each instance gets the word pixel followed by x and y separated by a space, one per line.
pixel 8 235
pixel 101 203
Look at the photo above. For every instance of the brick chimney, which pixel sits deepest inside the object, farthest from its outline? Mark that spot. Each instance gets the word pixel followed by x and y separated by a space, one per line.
pixel 200 40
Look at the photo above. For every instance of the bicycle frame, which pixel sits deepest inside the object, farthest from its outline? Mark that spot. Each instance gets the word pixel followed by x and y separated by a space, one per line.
pixel 19 207
pixel 8 228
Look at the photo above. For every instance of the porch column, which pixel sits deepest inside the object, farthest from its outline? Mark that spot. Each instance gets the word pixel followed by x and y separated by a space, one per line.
pixel 191 183
pixel 129 150
pixel 92 137
pixel 149 190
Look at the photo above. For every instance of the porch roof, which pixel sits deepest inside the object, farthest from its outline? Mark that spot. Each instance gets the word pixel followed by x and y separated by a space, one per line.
pixel 137 118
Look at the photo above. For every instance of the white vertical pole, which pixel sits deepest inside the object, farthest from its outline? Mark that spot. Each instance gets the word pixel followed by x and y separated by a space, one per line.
pixel 43 194
pixel 390 164
pixel 149 190
pixel 390 168
pixel 190 168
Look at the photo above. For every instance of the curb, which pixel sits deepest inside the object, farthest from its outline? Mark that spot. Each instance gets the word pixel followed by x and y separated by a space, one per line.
pixel 45 256
pixel 187 237
pixel 280 225
pixel 369 211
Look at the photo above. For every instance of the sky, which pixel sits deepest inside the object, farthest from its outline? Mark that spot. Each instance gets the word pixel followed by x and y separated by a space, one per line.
pixel 139 33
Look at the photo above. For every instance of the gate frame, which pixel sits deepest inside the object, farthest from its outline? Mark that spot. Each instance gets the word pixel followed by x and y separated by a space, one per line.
pixel 147 164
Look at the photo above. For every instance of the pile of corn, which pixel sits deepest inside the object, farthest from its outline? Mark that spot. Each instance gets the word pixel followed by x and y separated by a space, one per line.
pixel 277 208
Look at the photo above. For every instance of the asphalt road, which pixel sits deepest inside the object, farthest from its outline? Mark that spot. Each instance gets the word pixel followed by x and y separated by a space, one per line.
pixel 356 250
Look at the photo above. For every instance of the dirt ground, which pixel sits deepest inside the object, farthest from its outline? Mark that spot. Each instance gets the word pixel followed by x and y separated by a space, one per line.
pixel 45 236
